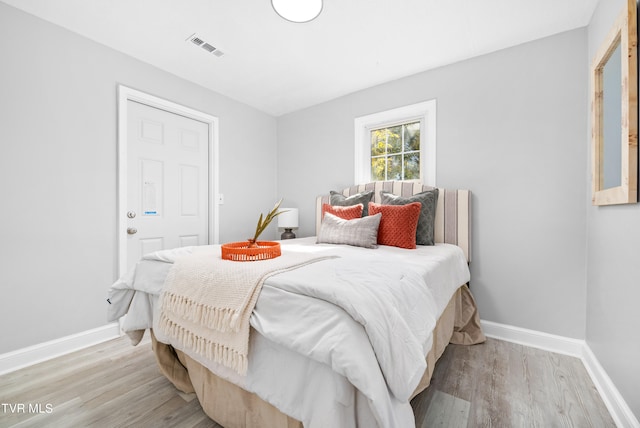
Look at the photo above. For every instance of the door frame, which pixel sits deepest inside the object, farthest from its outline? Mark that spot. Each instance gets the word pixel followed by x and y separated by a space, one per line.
pixel 126 94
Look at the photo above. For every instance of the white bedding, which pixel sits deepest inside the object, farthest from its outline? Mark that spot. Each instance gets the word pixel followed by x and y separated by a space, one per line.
pixel 345 339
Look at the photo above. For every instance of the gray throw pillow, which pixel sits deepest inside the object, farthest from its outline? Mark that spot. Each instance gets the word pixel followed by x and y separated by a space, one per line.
pixel 359 232
pixel 426 221
pixel 360 198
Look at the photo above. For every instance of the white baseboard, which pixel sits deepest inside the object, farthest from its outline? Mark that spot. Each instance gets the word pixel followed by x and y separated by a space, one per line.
pixel 534 339
pixel 15 360
pixel 617 406
pixel 622 414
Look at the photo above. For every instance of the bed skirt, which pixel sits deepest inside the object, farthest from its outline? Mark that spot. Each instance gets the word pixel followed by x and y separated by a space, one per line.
pixel 231 406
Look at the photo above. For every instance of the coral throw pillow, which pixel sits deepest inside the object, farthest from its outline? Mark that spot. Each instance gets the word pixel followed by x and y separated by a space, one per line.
pixel 344 212
pixel 398 224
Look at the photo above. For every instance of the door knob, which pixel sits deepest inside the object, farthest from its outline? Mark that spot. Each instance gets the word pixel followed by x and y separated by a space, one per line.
pixel 132 230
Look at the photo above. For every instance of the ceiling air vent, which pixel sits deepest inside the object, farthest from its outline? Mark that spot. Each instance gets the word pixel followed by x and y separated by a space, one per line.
pixel 204 45
pixel 197 41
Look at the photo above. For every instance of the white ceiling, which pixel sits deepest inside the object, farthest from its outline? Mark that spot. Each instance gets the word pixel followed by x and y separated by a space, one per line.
pixel 279 66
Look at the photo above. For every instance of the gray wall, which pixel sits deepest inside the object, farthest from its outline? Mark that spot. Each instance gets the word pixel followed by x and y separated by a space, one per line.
pixel 613 289
pixel 511 127
pixel 58 173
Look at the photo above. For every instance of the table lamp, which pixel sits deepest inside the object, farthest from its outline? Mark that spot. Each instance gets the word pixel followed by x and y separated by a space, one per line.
pixel 287 221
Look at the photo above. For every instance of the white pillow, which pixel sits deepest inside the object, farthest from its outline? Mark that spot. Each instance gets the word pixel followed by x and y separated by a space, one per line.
pixel 359 232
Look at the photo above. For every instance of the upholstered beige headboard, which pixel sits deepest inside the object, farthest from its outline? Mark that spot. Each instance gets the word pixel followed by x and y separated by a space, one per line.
pixel 453 212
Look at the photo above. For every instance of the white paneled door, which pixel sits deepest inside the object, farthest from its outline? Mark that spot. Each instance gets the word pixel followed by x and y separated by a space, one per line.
pixel 167 181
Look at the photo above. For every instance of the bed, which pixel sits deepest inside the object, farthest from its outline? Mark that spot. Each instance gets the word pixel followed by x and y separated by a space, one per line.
pixel 347 340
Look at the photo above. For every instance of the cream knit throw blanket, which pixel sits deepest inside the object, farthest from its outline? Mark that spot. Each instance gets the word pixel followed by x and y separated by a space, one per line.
pixel 207 302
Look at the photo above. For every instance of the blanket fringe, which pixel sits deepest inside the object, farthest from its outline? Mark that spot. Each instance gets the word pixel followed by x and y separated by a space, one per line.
pixel 220 319
pixel 211 350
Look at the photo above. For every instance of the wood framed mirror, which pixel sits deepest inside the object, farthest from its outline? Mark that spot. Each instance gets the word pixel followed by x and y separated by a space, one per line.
pixel 614 106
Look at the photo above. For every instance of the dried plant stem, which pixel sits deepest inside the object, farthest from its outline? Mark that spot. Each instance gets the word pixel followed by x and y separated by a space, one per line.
pixel 264 221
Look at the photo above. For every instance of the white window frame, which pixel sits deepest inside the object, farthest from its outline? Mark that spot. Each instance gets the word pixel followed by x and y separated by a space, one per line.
pixel 424 112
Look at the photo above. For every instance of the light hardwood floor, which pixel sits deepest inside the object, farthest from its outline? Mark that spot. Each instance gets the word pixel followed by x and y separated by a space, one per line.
pixel 508 385
pixel 496 384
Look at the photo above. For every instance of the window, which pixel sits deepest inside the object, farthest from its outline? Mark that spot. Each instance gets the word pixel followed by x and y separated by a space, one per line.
pixel 395 152
pixel 397 144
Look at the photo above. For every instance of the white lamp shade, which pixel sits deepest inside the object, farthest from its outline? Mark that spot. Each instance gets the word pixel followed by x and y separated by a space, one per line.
pixel 297 10
pixel 288 219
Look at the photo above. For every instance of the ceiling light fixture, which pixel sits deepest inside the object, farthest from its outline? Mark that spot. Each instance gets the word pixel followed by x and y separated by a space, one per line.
pixel 297 10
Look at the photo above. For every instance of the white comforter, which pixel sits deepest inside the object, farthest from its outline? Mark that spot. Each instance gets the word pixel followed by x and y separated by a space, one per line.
pixel 341 342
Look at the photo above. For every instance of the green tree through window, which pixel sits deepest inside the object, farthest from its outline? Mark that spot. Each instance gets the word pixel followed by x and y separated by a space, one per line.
pixel 395 152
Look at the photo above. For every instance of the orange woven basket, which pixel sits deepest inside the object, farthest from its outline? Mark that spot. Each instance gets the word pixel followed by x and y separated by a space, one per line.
pixel 240 251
